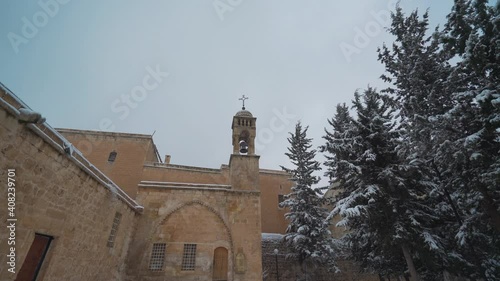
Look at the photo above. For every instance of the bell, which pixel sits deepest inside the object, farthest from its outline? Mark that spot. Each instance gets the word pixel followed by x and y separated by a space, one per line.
pixel 243 147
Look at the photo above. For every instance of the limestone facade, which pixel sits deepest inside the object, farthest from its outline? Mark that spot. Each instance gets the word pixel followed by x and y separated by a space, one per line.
pixel 132 151
pixel 208 216
pixel 59 197
pixel 137 160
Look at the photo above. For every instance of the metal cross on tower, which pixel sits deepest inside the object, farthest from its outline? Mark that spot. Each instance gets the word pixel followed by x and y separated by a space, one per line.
pixel 243 98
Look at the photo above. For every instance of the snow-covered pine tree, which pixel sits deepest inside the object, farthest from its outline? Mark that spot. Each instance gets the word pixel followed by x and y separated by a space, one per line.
pixel 470 158
pixel 479 98
pixel 342 145
pixel 307 234
pixel 384 203
pixel 418 74
pixel 422 82
pixel 450 117
pixel 338 141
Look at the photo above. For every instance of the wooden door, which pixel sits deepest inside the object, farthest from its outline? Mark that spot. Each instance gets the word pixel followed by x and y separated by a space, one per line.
pixel 220 264
pixel 34 259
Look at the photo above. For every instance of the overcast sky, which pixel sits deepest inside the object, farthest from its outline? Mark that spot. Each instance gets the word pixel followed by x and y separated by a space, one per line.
pixel 179 67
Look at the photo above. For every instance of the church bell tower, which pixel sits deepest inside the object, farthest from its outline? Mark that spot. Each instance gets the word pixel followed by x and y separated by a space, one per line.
pixel 243 131
pixel 244 164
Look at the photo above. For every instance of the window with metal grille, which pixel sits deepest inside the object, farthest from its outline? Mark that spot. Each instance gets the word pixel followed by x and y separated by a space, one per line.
pixel 157 257
pixel 189 257
pixel 112 157
pixel 114 229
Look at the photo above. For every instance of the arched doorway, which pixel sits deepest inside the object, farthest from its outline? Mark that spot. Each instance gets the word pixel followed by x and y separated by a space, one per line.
pixel 220 264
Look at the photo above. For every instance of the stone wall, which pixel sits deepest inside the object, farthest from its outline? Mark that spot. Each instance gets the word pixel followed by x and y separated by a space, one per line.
pixel 290 270
pixel 179 173
pixel 209 217
pixel 55 197
pixel 132 150
pixel 135 161
pixel 273 184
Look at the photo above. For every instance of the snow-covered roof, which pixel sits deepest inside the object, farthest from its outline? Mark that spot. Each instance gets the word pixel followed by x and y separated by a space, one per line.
pixel 193 186
pixel 183 167
pixel 160 184
pixel 272 236
pixel 103 133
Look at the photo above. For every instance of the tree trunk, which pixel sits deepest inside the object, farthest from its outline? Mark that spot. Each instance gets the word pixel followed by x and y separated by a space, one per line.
pixel 447 194
pixel 409 262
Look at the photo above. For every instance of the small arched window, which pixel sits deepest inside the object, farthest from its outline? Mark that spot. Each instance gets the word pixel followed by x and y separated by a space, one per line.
pixel 112 157
pixel 245 135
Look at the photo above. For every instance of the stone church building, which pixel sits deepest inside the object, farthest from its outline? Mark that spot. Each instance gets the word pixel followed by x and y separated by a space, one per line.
pixel 93 205
pixel 197 223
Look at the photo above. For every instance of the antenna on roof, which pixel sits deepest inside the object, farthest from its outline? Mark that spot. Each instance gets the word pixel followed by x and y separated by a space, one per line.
pixel 153 133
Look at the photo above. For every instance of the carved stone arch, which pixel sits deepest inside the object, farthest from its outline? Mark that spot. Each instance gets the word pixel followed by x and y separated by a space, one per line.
pixel 209 208
pixel 203 204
